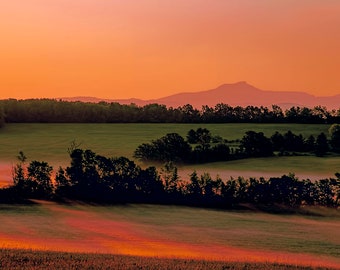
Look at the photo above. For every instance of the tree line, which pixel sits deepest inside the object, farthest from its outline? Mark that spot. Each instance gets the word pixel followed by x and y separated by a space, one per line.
pixel 201 146
pixel 58 111
pixel 95 178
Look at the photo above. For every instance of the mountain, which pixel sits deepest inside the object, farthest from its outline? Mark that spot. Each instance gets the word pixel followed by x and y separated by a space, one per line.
pixel 237 94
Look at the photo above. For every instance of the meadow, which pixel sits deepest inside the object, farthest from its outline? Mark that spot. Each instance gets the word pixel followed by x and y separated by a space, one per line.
pixel 39 260
pixel 49 142
pixel 85 236
pixel 239 239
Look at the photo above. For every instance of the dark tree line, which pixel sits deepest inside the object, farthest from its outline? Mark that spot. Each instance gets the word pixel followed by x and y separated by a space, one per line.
pixel 58 111
pixel 95 178
pixel 201 146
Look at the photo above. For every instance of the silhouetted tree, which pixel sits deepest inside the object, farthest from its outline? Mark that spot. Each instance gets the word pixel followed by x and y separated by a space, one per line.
pixel 320 114
pixel 201 136
pixel 155 113
pixel 39 183
pixel 193 187
pixel 326 192
pixel 75 171
pixel 229 192
pixel 277 114
pixel 170 178
pixel 255 144
pixel 207 114
pixel 321 145
pixel 223 113
pixel 278 141
pixel 284 190
pixel 190 115
pixel 63 184
pixel 125 175
pixel 150 184
pixel 220 152
pixel 310 144
pixel 334 132
pixel 18 172
pixel 171 147
pixel 192 137
pixel 33 181
pixel 293 142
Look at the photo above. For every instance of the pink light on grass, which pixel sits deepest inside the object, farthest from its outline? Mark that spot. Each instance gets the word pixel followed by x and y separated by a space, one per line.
pixel 82 229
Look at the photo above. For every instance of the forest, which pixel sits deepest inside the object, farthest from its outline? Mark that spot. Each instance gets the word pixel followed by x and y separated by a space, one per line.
pixel 58 111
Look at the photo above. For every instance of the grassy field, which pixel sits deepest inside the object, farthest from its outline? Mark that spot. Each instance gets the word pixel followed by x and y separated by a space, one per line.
pixel 175 232
pixel 36 260
pixel 241 240
pixel 49 142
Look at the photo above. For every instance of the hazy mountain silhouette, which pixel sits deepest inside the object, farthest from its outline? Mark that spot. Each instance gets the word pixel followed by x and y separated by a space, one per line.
pixel 237 94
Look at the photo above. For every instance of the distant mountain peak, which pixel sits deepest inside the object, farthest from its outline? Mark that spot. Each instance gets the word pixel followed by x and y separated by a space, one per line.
pixel 240 83
pixel 243 83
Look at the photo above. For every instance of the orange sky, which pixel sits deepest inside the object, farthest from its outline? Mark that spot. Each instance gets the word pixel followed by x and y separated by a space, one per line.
pixel 152 48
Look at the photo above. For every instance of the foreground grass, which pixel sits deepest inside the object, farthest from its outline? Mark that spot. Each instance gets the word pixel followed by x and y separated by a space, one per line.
pixel 28 259
pixel 310 237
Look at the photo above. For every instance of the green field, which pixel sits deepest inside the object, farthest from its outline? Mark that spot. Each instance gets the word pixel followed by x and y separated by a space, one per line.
pixel 175 232
pixel 49 142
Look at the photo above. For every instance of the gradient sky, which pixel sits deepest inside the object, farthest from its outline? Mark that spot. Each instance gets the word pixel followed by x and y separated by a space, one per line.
pixel 153 48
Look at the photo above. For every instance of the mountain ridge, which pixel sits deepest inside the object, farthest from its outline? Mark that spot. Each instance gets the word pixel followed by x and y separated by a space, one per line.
pixel 234 94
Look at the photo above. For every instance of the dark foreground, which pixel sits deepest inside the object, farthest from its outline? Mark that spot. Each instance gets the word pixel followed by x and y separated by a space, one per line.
pixel 27 259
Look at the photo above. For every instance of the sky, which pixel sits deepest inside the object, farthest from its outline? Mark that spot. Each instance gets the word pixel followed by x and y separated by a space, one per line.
pixel 154 48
